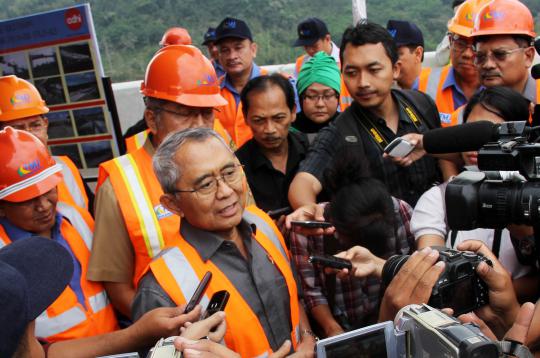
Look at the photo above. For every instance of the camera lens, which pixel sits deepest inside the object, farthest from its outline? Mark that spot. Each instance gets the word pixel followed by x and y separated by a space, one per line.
pixel 392 266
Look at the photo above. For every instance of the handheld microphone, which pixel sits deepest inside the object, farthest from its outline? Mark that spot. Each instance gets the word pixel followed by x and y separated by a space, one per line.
pixel 470 136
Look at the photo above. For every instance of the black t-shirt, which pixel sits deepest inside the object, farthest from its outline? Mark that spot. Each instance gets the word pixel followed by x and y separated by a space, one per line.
pixel 268 185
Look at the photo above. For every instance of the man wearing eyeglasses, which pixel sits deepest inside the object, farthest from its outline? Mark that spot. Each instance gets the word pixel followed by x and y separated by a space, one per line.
pixel 451 86
pixel 131 224
pixel 203 182
pixel 503 35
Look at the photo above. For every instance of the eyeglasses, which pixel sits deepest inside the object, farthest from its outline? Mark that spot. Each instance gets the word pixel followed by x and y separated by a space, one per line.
pixel 206 113
pixel 35 126
pixel 461 45
pixel 497 55
pixel 327 97
pixel 230 175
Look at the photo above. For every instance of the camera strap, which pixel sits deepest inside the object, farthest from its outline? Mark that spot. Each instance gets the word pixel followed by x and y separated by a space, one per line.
pixel 496 246
pixel 513 348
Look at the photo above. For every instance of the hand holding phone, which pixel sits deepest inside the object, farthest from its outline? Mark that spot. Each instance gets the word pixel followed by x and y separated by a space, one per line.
pixel 330 261
pixel 199 292
pixel 217 303
pixel 399 147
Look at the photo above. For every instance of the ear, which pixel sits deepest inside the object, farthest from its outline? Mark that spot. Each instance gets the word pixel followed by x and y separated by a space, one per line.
pixel 150 117
pixel 170 202
pixel 396 69
pixel 293 114
pixel 418 52
pixel 253 47
pixel 529 53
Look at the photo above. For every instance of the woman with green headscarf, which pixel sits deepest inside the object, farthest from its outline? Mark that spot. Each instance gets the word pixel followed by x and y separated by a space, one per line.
pixel 318 85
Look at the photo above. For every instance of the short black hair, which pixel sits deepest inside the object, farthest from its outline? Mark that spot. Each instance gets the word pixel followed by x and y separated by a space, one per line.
pixel 361 208
pixel 366 32
pixel 509 104
pixel 262 83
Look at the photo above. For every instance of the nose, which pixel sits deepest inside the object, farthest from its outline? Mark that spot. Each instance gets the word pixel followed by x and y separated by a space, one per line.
pixel 223 190
pixel 198 121
pixel 269 127
pixel 42 204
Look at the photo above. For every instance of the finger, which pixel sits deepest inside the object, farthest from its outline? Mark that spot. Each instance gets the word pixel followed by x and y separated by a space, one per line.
pixel 283 351
pixel 478 247
pixel 448 311
pixel 214 319
pixel 412 271
pixel 205 345
pixel 219 332
pixel 424 287
pixel 319 213
pixel 473 318
pixel 519 330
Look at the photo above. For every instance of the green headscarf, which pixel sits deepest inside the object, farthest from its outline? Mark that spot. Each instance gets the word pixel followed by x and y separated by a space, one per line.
pixel 322 69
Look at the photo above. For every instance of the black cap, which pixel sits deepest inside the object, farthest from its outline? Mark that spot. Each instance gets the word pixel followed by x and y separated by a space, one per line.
pixel 405 33
pixel 231 27
pixel 310 30
pixel 209 36
pixel 33 273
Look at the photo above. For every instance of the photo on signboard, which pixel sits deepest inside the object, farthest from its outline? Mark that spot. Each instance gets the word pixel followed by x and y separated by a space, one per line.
pixel 15 64
pixel 76 58
pixel 44 62
pixel 96 153
pixel 51 90
pixel 82 86
pixel 70 150
pixel 90 121
pixel 60 125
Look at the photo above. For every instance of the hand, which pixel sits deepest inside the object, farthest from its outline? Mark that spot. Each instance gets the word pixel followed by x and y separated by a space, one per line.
pixel 518 331
pixel 503 306
pixel 412 284
pixel 162 322
pixel 203 348
pixel 418 152
pixel 363 261
pixel 305 348
pixel 308 212
pixel 204 328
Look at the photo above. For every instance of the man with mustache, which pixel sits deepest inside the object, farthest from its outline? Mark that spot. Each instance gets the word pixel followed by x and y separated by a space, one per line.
pixel 377 116
pixel 271 158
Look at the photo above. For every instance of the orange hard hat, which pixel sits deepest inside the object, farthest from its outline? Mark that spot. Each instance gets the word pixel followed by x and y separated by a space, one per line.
pixel 175 36
pixel 28 170
pixel 181 74
pixel 463 21
pixel 19 99
pixel 504 17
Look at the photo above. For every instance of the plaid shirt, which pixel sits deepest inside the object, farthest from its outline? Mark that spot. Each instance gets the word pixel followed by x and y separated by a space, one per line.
pixel 356 299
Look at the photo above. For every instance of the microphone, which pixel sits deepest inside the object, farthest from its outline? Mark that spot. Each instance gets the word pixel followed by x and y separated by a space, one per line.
pixel 471 136
pixel 462 138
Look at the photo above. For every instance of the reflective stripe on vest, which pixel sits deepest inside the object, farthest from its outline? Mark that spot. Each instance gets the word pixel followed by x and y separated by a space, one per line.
pixel 78 223
pixel 73 183
pixel 151 232
pixel 50 326
pixel 99 301
pixel 433 82
pixel 266 230
pixel 136 141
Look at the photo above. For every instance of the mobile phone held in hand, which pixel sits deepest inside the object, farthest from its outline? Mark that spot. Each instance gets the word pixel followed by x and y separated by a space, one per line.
pixel 276 214
pixel 330 261
pixel 312 224
pixel 199 292
pixel 399 147
pixel 217 303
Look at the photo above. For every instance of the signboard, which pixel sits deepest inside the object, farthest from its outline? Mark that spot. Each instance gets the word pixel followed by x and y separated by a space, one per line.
pixel 57 51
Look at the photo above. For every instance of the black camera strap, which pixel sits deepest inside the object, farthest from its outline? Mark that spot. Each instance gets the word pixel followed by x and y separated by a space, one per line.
pixel 496 247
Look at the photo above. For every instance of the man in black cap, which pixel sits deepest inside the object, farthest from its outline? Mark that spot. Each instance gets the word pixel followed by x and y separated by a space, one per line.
pixel 314 36
pixel 210 43
pixel 410 43
pixel 33 273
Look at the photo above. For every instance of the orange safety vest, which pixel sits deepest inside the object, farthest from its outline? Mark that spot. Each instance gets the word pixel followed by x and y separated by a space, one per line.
pixel 179 270
pixel 231 116
pixel 431 82
pixel 66 318
pixel 345 99
pixel 136 141
pixel 71 189
pixel 150 226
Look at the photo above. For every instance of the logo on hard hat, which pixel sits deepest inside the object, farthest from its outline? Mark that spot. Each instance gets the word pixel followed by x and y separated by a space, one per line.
pixel 493 15
pixel 230 24
pixel 73 19
pixel 468 16
pixel 208 81
pixel 18 99
pixel 29 168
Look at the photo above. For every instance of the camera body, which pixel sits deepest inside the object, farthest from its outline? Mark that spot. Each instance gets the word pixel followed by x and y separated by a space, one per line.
pixel 459 287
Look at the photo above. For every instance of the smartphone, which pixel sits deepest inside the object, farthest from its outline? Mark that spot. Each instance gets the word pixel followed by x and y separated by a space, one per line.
pixel 399 147
pixel 199 292
pixel 276 214
pixel 217 303
pixel 312 224
pixel 330 261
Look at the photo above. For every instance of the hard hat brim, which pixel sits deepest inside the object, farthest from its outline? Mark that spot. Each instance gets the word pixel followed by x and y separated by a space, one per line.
pixel 36 189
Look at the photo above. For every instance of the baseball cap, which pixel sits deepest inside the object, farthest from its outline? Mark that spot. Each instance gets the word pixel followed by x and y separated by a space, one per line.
pixel 405 33
pixel 209 36
pixel 33 273
pixel 231 27
pixel 309 31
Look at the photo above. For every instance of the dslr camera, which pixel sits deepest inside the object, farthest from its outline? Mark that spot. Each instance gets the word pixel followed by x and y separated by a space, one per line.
pixel 487 199
pixel 459 287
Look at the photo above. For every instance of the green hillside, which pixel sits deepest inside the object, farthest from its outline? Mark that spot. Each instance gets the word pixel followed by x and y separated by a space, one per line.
pixel 129 31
